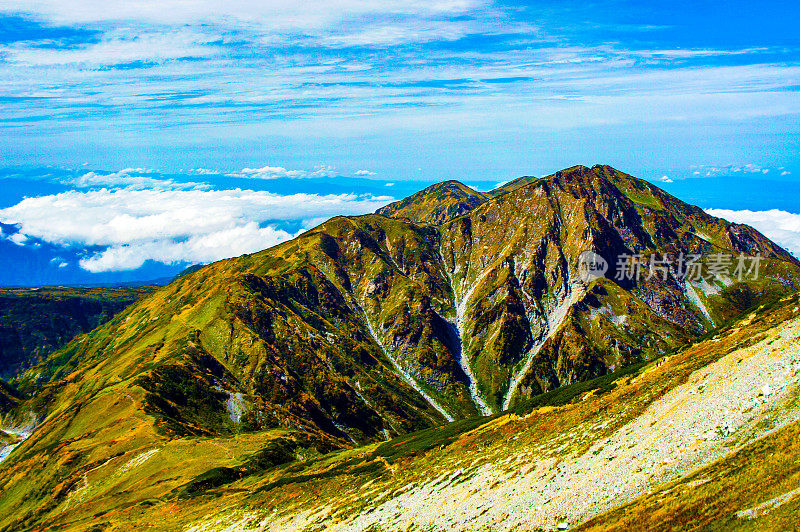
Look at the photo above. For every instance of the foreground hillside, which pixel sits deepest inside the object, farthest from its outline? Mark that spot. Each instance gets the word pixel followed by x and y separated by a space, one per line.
pixel 253 370
pixel 36 322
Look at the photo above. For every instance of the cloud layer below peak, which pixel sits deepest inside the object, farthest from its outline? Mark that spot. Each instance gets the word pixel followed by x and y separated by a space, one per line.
pixel 128 226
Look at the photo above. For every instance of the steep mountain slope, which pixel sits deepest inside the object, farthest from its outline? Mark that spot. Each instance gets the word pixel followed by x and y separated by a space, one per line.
pixel 472 315
pixel 370 327
pixel 531 324
pixel 436 204
pixel 36 322
pixel 9 398
pixel 647 448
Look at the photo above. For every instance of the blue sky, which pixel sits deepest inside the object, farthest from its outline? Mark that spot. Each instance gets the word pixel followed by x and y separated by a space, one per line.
pixel 339 98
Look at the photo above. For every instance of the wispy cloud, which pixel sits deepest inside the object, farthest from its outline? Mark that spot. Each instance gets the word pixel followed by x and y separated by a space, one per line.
pixel 275 172
pixel 118 47
pixel 274 15
pixel 272 61
pixel 280 80
pixel 131 178
pixel 204 171
pixel 732 169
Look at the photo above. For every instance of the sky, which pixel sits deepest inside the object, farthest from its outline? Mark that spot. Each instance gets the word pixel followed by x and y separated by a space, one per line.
pixel 140 137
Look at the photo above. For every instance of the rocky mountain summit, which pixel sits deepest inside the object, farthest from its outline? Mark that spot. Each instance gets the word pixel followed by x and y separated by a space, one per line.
pixel 436 204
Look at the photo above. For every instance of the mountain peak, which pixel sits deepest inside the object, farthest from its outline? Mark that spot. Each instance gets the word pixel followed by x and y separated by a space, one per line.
pixel 436 204
pixel 450 199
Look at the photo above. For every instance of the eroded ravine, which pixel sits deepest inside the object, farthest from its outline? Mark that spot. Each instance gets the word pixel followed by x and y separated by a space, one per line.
pixel 403 373
pixel 458 343
pixel 554 321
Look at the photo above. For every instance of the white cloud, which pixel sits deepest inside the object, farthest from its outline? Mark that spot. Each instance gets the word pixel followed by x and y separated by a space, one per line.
pixel 396 34
pixel 119 47
pixel 690 54
pixel 275 172
pixel 731 169
pixel 269 172
pixel 59 262
pixel 276 15
pixel 129 178
pixel 311 223
pixel 780 226
pixel 172 225
pixel 18 238
pixel 364 172
pixel 208 247
pixel 389 184
pixel 249 73
pixel 266 70
pixel 665 179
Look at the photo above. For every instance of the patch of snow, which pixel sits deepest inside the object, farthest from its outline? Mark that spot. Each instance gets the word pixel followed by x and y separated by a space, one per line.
pixel 703 236
pixel 461 307
pixel 236 406
pixel 139 459
pixel 386 435
pixel 5 451
pixel 605 310
pixel 706 288
pixel 766 507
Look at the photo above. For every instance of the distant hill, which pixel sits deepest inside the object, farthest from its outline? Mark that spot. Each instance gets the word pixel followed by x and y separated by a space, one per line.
pixel 35 322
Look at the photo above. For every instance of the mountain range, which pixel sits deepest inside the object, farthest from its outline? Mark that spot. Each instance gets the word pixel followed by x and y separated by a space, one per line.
pixel 438 321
